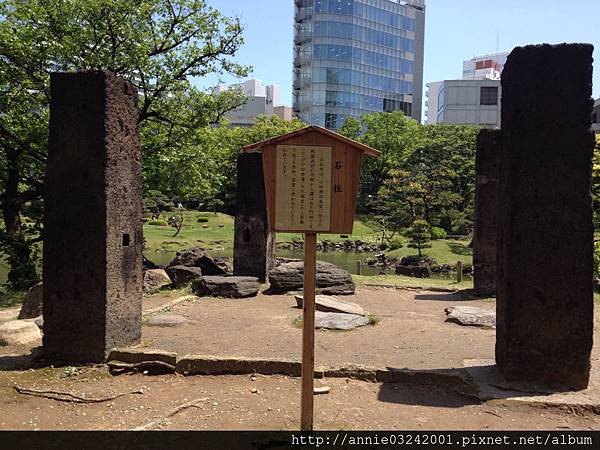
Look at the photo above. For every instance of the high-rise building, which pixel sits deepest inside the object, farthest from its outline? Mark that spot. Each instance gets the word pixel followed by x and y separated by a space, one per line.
pixel 354 57
pixel 473 99
pixel 263 100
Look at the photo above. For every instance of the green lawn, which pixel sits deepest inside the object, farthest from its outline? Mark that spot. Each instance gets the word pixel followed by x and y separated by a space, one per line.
pixel 443 251
pixel 402 281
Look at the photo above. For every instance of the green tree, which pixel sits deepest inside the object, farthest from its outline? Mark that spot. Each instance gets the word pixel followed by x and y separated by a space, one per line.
pixel 157 45
pixel 419 235
pixel 396 136
pixel 596 183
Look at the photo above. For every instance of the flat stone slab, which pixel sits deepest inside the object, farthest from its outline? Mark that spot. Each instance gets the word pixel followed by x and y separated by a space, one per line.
pixel 327 303
pixel 471 316
pixel 339 321
pixel 167 320
pixel 228 287
pixel 19 332
pixel 139 355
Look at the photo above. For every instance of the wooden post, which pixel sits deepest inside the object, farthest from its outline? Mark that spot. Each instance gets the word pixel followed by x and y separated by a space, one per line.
pixel 308 331
pixel 459 271
pixel 358 268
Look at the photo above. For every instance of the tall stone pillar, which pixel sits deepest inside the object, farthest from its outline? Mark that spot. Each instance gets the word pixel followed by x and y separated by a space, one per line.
pixel 253 247
pixel 544 291
pixel 92 218
pixel 487 165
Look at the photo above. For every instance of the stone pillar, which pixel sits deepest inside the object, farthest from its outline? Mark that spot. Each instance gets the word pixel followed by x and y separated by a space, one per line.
pixel 92 218
pixel 544 290
pixel 253 242
pixel 487 164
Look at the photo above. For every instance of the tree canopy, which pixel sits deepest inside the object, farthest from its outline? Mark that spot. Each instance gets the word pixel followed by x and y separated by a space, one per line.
pixel 159 46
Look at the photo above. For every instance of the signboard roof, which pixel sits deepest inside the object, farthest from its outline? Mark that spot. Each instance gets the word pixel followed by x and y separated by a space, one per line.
pixel 284 137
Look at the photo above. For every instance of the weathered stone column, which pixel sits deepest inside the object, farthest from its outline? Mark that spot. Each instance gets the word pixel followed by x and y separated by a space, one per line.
pixel 487 165
pixel 544 291
pixel 92 218
pixel 253 243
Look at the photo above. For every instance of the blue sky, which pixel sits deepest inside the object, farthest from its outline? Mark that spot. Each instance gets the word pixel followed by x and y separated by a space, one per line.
pixel 454 30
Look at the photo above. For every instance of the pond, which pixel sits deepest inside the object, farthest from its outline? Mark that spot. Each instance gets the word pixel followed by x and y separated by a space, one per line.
pixel 346 260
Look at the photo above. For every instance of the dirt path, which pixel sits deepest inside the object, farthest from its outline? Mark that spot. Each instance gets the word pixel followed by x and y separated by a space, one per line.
pixel 227 402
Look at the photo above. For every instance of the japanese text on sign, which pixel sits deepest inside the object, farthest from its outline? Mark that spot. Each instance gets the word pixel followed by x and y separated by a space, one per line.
pixel 303 188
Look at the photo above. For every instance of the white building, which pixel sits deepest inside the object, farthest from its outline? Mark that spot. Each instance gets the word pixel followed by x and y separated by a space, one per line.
pixel 264 100
pixel 472 100
pixel 485 66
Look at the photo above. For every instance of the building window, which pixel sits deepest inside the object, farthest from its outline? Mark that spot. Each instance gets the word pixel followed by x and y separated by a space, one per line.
pixel 489 95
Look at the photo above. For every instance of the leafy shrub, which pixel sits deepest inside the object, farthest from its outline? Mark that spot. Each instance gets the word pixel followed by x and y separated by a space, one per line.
pixel 397 242
pixel 202 219
pixel 159 223
pixel 383 246
pixel 438 233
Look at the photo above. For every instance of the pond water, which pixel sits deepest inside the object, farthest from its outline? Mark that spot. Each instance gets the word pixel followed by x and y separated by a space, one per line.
pixel 346 260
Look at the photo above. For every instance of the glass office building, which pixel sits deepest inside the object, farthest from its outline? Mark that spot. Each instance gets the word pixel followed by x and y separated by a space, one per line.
pixel 353 57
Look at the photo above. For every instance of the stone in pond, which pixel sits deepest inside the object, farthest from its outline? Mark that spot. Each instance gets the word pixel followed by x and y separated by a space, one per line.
pixel 167 320
pixel 19 332
pixel 471 316
pixel 229 287
pixel 327 303
pixel 339 321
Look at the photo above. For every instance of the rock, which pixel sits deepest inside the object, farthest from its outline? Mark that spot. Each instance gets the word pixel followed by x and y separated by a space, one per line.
pixel 19 332
pixel 224 263
pixel 39 321
pixel 339 321
pixel 167 320
pixel 331 279
pixel 413 271
pixel 154 279
pixel 32 303
pixel 181 275
pixel 421 261
pixel 196 257
pixel 321 390
pixel 471 316
pixel 327 303
pixel 147 264
pixel 230 287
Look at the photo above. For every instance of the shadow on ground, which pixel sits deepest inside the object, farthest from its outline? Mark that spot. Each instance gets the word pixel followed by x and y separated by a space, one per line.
pixel 461 387
pixel 464 295
pixel 460 249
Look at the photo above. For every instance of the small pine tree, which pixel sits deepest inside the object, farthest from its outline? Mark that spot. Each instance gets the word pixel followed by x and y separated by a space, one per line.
pixel 419 235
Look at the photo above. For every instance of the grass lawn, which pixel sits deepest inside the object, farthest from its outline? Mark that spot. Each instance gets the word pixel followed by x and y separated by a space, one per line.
pixel 219 227
pixel 402 281
pixel 443 251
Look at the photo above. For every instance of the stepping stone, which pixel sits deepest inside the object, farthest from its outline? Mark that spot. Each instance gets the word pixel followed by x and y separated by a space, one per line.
pixel 167 320
pixel 471 316
pixel 328 303
pixel 229 287
pixel 339 321
pixel 19 332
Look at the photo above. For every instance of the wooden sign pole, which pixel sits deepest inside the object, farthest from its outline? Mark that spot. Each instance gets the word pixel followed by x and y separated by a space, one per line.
pixel 308 331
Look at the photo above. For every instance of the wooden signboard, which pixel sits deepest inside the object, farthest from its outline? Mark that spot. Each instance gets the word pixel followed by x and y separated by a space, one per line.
pixel 311 181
